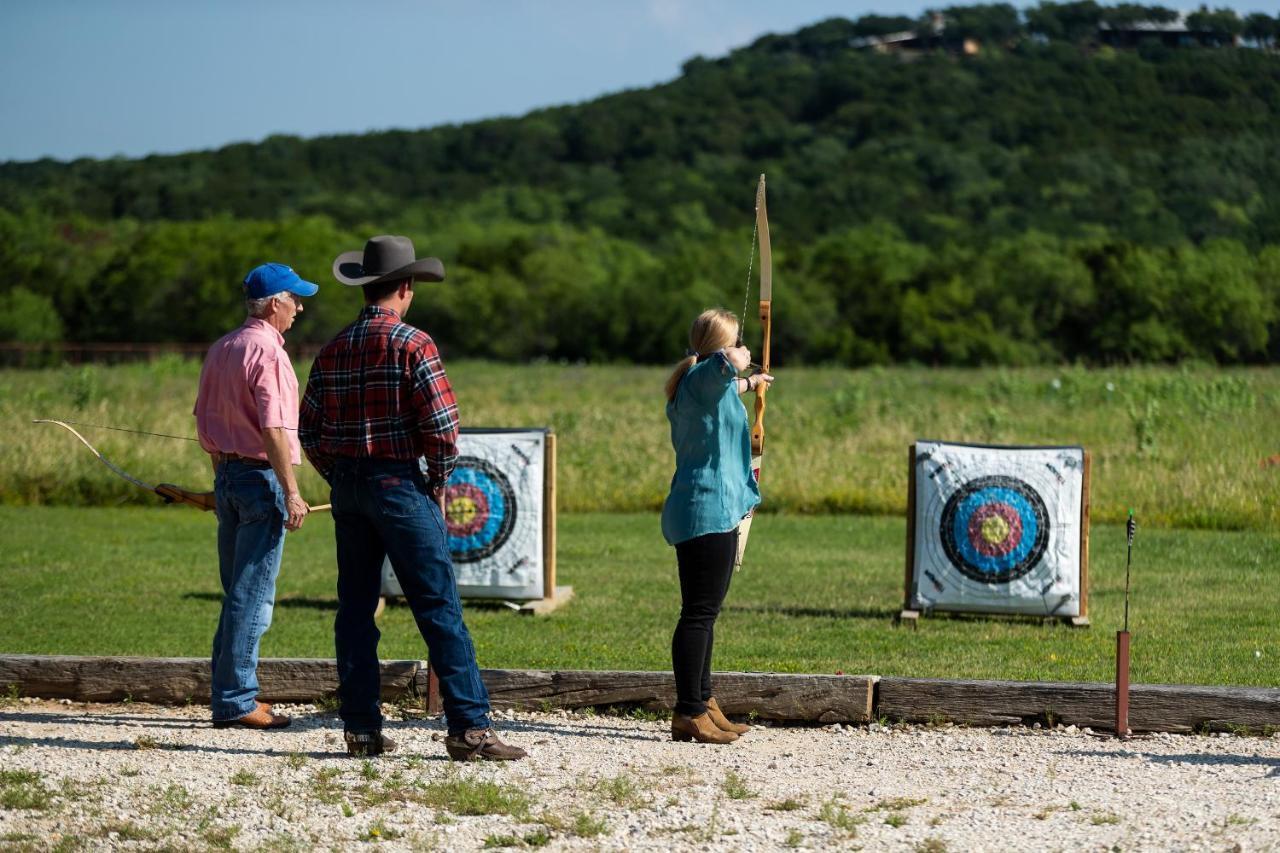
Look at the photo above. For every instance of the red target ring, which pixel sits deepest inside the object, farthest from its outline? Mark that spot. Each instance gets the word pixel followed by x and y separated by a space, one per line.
pixel 466 509
pixel 995 529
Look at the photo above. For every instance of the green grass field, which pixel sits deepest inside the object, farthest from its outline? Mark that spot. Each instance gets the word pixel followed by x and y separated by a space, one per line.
pixel 818 595
pixel 1181 446
pixel 1184 447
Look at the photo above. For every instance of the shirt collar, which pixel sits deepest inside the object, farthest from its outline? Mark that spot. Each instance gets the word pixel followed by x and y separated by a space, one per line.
pixel 257 324
pixel 370 311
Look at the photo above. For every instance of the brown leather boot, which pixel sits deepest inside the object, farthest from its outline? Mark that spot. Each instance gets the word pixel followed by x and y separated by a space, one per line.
pixel 481 745
pixel 699 728
pixel 721 721
pixel 261 718
pixel 368 744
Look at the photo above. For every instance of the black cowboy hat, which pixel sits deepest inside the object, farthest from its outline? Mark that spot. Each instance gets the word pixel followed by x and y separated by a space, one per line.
pixel 385 258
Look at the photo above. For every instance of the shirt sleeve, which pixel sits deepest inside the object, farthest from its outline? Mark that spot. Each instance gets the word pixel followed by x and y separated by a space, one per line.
pixel 435 412
pixel 310 421
pixel 709 379
pixel 274 387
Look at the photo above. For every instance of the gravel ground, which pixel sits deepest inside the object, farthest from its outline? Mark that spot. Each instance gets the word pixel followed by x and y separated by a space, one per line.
pixel 143 777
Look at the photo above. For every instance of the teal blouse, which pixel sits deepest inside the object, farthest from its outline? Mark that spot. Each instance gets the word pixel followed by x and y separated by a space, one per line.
pixel 712 489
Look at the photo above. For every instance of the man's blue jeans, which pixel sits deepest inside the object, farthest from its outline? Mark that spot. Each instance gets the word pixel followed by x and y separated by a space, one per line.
pixel 383 508
pixel 251 514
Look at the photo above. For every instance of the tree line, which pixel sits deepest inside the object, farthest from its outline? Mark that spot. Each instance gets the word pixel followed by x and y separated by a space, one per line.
pixel 1049 199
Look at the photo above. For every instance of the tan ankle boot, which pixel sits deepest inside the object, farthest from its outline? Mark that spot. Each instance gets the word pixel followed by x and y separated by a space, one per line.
pixel 721 721
pixel 699 728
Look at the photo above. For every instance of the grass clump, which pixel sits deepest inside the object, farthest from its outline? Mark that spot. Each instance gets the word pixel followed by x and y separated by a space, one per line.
pixel 244 777
pixel 379 831
pixel 790 804
pixel 622 790
pixel 125 831
pixel 23 789
pixel 1104 818
pixel 838 816
pixel 220 837
pixel 735 787
pixel 464 796
pixel 897 804
pixel 587 825
pixel 325 787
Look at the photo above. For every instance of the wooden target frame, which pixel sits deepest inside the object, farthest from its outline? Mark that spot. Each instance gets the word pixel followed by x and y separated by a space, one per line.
pixel 913 607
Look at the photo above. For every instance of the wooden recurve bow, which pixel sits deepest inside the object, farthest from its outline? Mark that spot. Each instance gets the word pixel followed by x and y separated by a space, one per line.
pixel 766 325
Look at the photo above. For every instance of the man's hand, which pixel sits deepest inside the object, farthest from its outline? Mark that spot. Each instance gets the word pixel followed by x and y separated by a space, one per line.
pixel 437 494
pixel 298 510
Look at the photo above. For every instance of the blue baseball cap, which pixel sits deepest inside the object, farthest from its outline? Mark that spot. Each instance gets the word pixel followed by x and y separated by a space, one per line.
pixel 270 279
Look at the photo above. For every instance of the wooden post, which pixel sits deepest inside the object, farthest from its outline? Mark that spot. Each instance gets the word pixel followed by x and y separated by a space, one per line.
pixel 908 612
pixel 1082 620
pixel 434 706
pixel 1122 684
pixel 553 596
pixel 549 518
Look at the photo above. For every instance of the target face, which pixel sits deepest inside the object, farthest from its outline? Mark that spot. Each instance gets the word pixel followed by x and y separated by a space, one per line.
pixel 995 529
pixel 479 509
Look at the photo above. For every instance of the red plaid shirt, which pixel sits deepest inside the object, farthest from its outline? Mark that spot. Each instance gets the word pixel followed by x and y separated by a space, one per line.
pixel 378 390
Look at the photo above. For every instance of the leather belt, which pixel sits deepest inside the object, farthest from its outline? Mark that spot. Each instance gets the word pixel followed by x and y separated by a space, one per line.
pixel 219 458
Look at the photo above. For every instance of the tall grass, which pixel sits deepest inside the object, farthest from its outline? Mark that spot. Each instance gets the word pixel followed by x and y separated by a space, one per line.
pixel 1184 446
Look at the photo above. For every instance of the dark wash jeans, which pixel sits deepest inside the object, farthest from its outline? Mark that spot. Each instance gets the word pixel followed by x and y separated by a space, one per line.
pixel 251 513
pixel 382 507
pixel 706 567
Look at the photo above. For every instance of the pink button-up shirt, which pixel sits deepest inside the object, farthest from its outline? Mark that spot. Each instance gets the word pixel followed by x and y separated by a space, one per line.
pixel 247 385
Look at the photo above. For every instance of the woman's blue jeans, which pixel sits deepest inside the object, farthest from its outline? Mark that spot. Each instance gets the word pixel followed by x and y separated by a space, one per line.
pixel 383 508
pixel 251 513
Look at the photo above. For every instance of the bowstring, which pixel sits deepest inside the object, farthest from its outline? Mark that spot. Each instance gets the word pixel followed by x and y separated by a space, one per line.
pixel 746 293
pixel 135 431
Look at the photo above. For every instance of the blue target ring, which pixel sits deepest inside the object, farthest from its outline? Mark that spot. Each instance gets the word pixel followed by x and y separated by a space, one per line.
pixel 995 529
pixel 480 510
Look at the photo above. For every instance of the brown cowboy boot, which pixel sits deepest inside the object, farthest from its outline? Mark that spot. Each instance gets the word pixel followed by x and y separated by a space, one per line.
pixel 721 721
pixel 481 745
pixel 261 717
pixel 699 728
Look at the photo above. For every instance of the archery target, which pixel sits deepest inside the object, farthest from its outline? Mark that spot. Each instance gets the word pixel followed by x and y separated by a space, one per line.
pixel 494 515
pixel 997 529
pixel 480 510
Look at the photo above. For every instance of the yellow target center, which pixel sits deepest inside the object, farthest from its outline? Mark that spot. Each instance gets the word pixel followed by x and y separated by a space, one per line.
pixel 994 529
pixel 461 511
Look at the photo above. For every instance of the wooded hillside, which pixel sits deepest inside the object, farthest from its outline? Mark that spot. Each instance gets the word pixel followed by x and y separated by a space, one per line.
pixel 1049 198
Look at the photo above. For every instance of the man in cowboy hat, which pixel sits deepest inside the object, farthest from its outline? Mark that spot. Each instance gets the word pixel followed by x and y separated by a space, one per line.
pixel 378 401
pixel 247 419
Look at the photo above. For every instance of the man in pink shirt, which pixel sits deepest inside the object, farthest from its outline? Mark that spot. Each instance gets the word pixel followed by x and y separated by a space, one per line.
pixel 247 419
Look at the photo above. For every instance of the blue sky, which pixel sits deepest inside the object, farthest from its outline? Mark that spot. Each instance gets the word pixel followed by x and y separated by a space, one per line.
pixel 101 77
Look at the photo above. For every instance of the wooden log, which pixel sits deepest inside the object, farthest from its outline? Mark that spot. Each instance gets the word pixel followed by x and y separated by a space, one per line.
pixel 773 696
pixel 179 680
pixel 1152 707
pixel 801 698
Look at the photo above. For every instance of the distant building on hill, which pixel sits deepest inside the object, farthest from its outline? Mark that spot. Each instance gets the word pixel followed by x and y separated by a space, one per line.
pixel 1175 33
pixel 914 42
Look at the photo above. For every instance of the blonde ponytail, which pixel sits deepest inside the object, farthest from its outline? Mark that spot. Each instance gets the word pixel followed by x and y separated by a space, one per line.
pixel 673 381
pixel 712 330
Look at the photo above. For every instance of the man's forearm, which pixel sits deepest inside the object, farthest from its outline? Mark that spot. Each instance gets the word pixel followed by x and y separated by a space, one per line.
pixel 276 440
